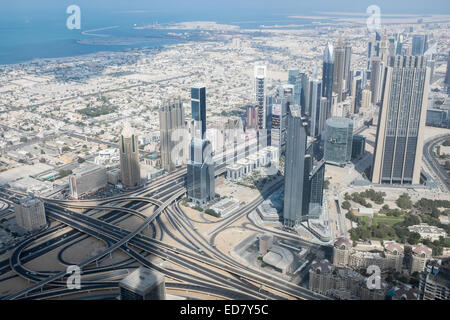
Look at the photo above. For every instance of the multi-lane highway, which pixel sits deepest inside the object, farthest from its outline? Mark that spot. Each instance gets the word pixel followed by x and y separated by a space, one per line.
pixel 439 172
pixel 220 274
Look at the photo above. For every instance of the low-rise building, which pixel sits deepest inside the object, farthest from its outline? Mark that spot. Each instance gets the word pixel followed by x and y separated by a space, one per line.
pixel 428 232
pixel 143 284
pixel 281 259
pixel 87 181
pixel 342 283
pixel 267 211
pixel 226 206
pixel 234 172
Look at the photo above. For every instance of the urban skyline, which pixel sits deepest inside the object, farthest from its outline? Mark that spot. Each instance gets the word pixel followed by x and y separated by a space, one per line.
pixel 305 159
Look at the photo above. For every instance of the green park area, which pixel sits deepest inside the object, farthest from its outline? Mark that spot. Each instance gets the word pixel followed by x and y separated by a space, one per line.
pixel 392 224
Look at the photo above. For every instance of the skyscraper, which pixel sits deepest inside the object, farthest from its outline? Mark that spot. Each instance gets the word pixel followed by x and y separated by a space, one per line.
pixel 366 99
pixel 304 97
pixel 375 78
pixel 399 143
pixel 171 118
pixel 130 169
pixel 384 50
pixel 251 117
pixel 198 106
pixel 347 65
pixel 260 94
pixel 338 73
pixel 200 172
pixel 295 197
pixel 292 76
pixel 356 94
pixel 327 75
pixel 303 183
pixel 279 106
pixel 30 213
pixel 315 185
pixel 295 79
pixel 419 44
pixel 200 166
pixel 315 95
pixel 338 140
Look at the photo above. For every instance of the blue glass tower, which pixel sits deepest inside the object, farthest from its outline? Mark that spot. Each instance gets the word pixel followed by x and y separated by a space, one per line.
pixel 198 105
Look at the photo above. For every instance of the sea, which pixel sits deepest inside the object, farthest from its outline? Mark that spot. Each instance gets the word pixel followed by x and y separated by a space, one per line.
pixel 33 29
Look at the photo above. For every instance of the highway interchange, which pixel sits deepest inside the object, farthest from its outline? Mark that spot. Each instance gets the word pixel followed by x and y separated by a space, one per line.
pixel 194 266
pixel 216 273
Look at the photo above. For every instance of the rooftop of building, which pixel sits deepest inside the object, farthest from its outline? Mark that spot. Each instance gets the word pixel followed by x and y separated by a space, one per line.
pixel 343 242
pixel 279 257
pixel 339 122
pixel 142 280
pixel 425 228
pixel 88 168
pixel 421 250
pixel 29 201
pixel 225 204
pixel 405 292
pixel 393 247
pixel 324 266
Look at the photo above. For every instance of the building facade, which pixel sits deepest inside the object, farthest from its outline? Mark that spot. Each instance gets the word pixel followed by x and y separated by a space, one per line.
pixel 198 106
pixel 171 118
pixel 130 168
pixel 30 214
pixel 358 146
pixel 338 72
pixel 327 75
pixel 338 140
pixel 295 197
pixel 87 181
pixel 260 94
pixel 200 177
pixel 399 143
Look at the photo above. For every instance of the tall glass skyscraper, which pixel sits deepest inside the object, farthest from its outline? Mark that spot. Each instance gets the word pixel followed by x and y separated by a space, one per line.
pixel 303 183
pixel 338 140
pixel 399 143
pixel 315 185
pixel 347 65
pixel 419 44
pixel 295 197
pixel 315 95
pixel 198 106
pixel 327 75
pixel 304 96
pixel 295 79
pixel 200 172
